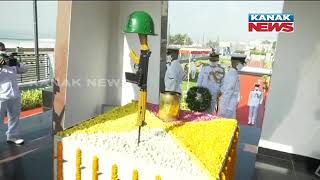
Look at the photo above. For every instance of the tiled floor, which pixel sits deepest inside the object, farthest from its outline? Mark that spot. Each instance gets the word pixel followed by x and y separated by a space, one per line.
pixel 33 161
pixel 267 165
pixel 247 148
pixel 284 167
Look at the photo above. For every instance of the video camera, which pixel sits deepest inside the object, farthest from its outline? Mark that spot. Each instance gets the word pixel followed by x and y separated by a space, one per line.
pixel 9 59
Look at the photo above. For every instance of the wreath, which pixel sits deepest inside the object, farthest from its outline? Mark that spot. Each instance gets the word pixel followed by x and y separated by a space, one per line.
pixel 198 98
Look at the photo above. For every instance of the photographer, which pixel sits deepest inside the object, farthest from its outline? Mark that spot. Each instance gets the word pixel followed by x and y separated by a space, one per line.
pixel 10 98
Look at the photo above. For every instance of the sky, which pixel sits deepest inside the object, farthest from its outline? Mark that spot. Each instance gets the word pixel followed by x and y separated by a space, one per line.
pixel 17 19
pixel 226 19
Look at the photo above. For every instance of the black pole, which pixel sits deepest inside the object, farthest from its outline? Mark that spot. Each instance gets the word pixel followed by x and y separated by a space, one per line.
pixel 165 32
pixel 139 134
pixel 36 43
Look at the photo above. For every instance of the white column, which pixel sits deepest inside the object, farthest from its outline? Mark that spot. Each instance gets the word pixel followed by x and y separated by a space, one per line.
pixel 292 118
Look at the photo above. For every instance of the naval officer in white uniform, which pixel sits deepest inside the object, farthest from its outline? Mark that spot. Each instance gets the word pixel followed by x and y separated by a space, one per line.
pixel 174 74
pixel 193 69
pixel 231 88
pixel 211 77
pixel 254 101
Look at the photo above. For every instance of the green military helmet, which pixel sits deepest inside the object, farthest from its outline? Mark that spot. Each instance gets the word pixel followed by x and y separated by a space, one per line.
pixel 140 22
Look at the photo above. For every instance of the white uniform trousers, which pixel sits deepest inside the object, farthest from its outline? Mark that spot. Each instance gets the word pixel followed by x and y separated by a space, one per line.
pixel 228 113
pixel 193 74
pixel 212 107
pixel 253 114
pixel 12 108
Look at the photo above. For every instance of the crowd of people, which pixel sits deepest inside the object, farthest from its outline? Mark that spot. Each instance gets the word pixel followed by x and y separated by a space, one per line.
pixel 224 86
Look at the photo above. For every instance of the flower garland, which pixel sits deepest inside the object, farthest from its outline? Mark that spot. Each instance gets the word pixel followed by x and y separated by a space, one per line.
pixel 185 116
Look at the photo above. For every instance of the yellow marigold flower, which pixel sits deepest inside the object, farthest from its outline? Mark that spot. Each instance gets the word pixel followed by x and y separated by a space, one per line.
pixel 208 143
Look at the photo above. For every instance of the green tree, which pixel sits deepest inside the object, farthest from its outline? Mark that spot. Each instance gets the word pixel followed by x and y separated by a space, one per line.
pixel 266 42
pixel 212 44
pixel 240 51
pixel 180 39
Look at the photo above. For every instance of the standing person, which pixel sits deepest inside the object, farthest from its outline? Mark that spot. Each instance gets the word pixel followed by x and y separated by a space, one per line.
pixel 10 98
pixel 200 67
pixel 211 77
pixel 231 88
pixel 174 74
pixel 254 101
pixel 186 69
pixel 193 70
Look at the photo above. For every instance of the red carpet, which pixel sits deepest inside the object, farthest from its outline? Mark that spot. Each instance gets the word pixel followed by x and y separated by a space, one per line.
pixel 28 113
pixel 246 85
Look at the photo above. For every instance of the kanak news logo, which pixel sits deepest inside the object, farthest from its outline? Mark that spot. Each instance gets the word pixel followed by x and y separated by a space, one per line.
pixel 278 22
